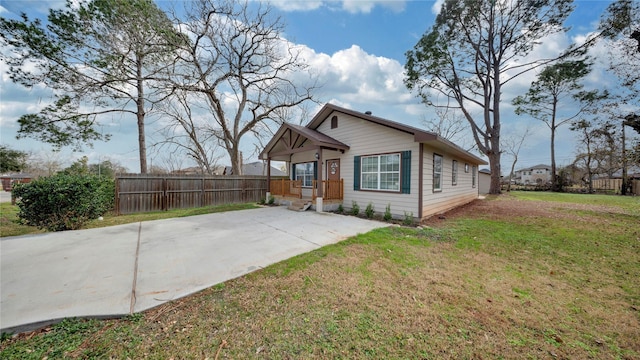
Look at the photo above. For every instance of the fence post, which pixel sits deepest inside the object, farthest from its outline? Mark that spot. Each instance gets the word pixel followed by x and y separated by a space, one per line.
pixel 117 195
pixel 165 200
pixel 202 197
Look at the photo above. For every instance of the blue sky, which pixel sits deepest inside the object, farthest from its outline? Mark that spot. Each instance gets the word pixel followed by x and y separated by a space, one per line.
pixel 356 47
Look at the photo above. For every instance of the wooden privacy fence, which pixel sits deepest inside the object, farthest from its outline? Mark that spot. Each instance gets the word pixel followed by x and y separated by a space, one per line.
pixel 616 185
pixel 143 192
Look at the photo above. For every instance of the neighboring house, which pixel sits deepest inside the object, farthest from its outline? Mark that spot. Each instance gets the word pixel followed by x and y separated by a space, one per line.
pixel 484 180
pixel 9 179
pixel 257 168
pixel 373 160
pixel 535 175
pixel 633 172
pixel 196 170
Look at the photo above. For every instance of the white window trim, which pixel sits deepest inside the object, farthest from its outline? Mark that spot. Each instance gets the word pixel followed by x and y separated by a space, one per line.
pixel 295 173
pixel 454 172
pixel 439 174
pixel 378 172
pixel 474 176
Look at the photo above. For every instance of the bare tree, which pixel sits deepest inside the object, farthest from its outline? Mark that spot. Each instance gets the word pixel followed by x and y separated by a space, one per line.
pixel 451 126
pixel 512 146
pixel 188 133
pixel 44 163
pixel 238 62
pixel 474 49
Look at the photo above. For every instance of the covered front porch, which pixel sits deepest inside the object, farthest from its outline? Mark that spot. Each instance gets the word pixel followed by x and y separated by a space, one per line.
pixel 314 163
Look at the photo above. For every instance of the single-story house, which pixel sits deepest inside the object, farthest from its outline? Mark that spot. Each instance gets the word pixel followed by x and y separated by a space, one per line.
pixel 9 179
pixel 348 157
pixel 256 168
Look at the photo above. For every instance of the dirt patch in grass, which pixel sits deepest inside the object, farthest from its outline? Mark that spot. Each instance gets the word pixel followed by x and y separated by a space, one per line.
pixel 498 278
pixel 507 207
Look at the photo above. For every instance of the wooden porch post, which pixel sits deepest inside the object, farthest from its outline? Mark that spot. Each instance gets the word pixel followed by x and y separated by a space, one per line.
pixel 320 172
pixel 268 192
pixel 319 199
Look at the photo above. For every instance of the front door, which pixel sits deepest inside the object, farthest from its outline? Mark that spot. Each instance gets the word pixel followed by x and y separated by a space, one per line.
pixel 333 176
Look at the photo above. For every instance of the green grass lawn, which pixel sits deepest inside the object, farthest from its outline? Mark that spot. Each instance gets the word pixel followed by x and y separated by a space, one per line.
pixel 10 226
pixel 493 282
pixel 630 203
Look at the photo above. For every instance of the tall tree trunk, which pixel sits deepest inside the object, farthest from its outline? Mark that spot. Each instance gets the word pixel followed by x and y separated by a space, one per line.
pixel 555 186
pixel 494 164
pixel 625 179
pixel 236 159
pixel 589 175
pixel 554 179
pixel 140 117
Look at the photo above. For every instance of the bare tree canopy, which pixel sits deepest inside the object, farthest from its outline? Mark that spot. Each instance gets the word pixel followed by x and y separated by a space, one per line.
pixel 474 49
pixel 452 126
pixel 187 133
pixel 237 62
pixel 99 57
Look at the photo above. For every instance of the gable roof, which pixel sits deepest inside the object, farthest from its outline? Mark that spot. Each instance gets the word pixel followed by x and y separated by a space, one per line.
pixel 298 136
pixel 419 135
pixel 539 166
pixel 320 139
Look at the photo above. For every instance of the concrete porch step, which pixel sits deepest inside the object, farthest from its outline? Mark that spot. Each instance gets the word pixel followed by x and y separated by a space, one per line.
pixel 300 205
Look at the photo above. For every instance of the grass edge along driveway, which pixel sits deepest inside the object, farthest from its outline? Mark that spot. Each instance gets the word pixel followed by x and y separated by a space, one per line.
pixel 505 277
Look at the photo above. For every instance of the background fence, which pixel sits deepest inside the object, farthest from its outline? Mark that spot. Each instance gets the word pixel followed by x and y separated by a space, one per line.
pixel 143 192
pixel 615 185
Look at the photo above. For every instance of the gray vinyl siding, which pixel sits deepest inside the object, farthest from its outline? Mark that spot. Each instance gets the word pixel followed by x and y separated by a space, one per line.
pixel 451 195
pixel 366 138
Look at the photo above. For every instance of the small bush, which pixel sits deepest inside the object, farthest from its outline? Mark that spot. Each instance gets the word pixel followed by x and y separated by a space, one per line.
pixel 262 201
pixel 340 209
pixel 408 218
pixel 64 201
pixel 272 200
pixel 369 211
pixel 355 209
pixel 387 213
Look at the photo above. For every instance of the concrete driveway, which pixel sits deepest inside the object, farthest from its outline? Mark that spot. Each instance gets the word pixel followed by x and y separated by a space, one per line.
pixel 123 269
pixel 5 196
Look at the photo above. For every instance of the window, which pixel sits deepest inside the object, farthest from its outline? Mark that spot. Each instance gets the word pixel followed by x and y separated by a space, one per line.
pixel 454 173
pixel 334 122
pixel 473 176
pixel 380 172
pixel 437 172
pixel 305 172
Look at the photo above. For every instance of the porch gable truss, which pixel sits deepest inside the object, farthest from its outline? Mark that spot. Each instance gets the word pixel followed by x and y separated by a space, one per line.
pixel 291 139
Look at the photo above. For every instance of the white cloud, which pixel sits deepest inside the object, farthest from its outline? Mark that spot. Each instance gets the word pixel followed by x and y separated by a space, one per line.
pixel 351 6
pixel 287 5
pixel 354 76
pixel 437 6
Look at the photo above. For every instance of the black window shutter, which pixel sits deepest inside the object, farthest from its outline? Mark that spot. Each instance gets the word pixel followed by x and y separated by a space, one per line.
pixel 405 176
pixel 356 173
pixel 315 170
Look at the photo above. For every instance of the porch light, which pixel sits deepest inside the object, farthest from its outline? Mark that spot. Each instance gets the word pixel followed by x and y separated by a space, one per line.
pixel 317 156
